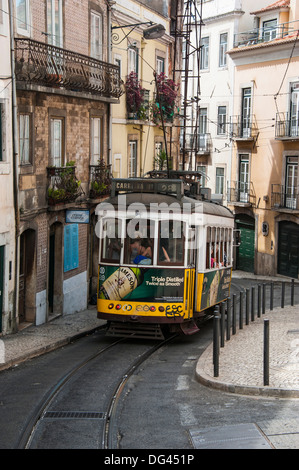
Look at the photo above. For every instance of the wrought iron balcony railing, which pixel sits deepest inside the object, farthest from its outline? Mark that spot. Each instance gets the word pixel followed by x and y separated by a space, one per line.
pixel 286 126
pixel 199 143
pixel 100 180
pixel 239 192
pixel 47 65
pixel 266 34
pixel 63 185
pixel 244 128
pixel 284 197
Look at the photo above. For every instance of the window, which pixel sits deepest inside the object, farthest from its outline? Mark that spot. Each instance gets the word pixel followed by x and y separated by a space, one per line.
pixel 246 112
pixel 23 16
pixel 291 191
pixel 218 247
pixel 57 144
pixel 202 128
pixel 1 132
pixel 295 109
pixel 96 34
pixel 111 242
pixel 244 178
pixel 139 242
pixel 160 65
pixel 133 60
pixel 222 50
pixel 96 140
pixel 54 22
pixel 203 171
pixel 24 138
pixel 269 30
pixel 171 242
pixel 221 121
pixel 204 56
pixel 132 159
pixel 219 180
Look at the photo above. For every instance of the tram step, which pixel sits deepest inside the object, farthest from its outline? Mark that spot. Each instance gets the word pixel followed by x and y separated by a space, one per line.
pixel 135 330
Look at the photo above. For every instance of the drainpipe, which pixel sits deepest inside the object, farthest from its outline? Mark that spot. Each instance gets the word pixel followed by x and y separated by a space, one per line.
pixel 109 104
pixel 15 164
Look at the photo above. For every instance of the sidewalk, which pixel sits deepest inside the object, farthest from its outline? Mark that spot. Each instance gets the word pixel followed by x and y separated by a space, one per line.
pixel 36 340
pixel 241 360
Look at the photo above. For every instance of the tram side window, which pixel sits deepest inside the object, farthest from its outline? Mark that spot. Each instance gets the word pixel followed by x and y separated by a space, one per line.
pixel 171 242
pixel 139 243
pixel 218 247
pixel 111 242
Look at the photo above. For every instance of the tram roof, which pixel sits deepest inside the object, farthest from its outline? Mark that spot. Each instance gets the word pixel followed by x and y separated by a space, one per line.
pixel 149 200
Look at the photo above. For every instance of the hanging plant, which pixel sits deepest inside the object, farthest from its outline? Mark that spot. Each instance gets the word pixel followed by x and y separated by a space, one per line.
pixel 165 99
pixel 134 93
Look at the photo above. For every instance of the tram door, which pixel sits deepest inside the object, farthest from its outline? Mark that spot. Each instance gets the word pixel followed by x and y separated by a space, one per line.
pixel 190 273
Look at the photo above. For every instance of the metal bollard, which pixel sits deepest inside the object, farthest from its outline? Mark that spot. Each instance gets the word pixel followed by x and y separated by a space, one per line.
pixel 234 314
pixel 271 295
pixel 222 325
pixel 264 299
pixel 292 292
pixel 282 293
pixel 228 318
pixel 266 352
pixel 216 349
pixel 247 307
pixel 259 298
pixel 241 311
pixel 252 302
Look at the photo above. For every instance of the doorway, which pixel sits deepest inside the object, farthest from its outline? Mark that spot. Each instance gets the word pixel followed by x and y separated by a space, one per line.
pixel 55 289
pixel 246 250
pixel 288 249
pixel 27 277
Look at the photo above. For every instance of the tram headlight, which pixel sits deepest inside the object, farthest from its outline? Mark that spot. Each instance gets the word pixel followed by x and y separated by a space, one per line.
pixel 161 309
pixel 110 306
pixel 152 308
pixel 118 307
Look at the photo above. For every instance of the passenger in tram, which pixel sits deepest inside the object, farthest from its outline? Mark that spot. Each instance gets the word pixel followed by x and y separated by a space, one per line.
pixel 143 251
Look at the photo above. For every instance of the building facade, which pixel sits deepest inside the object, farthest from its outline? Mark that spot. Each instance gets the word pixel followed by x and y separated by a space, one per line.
pixel 65 87
pixel 140 139
pixel 221 21
pixel 7 181
pixel 263 190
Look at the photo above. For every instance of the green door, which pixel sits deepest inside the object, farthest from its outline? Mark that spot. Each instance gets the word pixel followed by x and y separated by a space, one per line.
pixel 1 283
pixel 246 250
pixel 288 249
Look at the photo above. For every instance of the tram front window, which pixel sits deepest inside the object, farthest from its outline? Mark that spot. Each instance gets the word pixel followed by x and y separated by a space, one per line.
pixel 171 242
pixel 139 243
pixel 111 242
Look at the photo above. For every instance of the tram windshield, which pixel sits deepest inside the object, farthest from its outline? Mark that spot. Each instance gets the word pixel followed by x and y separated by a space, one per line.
pixel 171 242
pixel 139 242
pixel 111 242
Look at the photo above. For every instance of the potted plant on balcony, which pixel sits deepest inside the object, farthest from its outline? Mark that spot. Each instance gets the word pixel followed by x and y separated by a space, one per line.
pixel 165 99
pixel 100 180
pixel 65 186
pixel 134 95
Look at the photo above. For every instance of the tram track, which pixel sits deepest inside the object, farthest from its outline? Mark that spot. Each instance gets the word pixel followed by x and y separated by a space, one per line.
pixel 108 416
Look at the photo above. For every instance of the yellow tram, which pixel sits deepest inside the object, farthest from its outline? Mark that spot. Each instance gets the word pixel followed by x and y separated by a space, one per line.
pixel 165 257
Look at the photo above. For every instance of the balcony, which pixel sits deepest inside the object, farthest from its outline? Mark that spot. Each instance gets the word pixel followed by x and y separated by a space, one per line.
pixel 100 180
pixel 63 185
pixel 286 127
pixel 201 144
pixel 266 34
pixel 284 199
pixel 243 129
pixel 42 64
pixel 240 194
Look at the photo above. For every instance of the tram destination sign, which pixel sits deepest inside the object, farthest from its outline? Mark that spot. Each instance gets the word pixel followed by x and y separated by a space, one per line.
pixel 147 185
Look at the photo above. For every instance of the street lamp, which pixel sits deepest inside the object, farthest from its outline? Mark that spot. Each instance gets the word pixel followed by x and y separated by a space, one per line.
pixel 154 31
